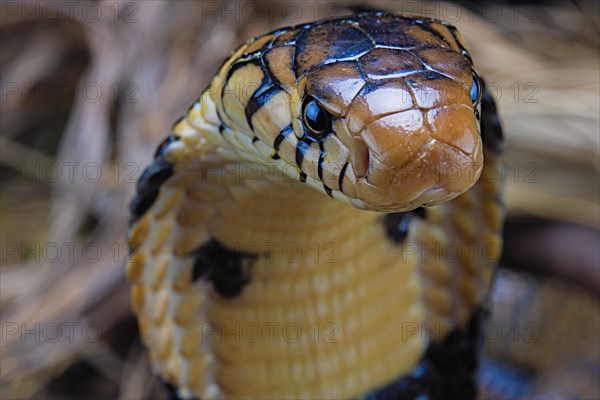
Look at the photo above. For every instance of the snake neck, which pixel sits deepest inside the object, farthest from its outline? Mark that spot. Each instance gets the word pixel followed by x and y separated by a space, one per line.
pixel 264 206
pixel 322 268
pixel 274 254
pixel 257 202
pixel 257 248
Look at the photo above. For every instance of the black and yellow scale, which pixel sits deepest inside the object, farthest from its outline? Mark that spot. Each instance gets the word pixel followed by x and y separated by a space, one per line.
pixel 324 221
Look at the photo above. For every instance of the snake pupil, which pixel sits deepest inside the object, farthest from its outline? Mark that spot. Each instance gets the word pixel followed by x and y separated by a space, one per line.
pixel 316 119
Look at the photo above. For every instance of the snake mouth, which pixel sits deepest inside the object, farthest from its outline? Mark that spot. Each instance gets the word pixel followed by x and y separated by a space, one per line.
pixel 434 196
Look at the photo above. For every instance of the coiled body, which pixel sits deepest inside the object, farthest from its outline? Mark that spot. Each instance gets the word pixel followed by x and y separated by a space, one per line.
pixel 324 221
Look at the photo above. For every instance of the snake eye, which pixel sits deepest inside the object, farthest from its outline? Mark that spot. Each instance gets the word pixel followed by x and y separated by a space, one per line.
pixel 475 90
pixel 316 119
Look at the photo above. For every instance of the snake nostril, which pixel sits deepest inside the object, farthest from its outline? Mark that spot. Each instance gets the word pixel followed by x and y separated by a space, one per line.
pixel 360 158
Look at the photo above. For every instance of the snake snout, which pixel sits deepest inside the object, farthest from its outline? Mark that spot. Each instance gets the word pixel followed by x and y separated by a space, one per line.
pixel 421 157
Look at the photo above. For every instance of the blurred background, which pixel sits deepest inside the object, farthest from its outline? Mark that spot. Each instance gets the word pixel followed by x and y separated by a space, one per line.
pixel 89 88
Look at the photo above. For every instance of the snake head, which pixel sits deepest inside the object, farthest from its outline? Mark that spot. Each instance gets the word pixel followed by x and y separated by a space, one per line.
pixel 404 109
pixel 383 108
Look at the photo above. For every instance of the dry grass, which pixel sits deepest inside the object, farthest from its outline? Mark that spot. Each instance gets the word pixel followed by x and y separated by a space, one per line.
pixel 89 99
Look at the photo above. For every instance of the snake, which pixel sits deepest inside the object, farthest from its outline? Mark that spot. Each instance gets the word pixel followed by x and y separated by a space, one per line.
pixel 325 220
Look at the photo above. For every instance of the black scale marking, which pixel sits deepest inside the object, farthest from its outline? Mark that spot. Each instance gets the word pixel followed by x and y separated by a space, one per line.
pixel 258 100
pixel 491 129
pixel 152 178
pixel 327 189
pixel 226 269
pixel 301 149
pixel 268 87
pixel 397 225
pixel 447 371
pixel 341 177
pixel 280 137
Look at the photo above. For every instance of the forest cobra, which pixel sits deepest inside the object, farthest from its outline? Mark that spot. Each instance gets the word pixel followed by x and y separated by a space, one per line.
pixel 324 221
